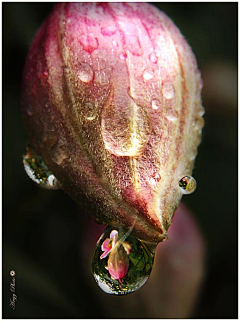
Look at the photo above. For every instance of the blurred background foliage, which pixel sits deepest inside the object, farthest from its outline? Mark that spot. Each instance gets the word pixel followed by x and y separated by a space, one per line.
pixel 43 231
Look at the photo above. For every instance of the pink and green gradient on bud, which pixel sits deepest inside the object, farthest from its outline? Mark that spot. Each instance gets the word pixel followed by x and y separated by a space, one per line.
pixel 112 102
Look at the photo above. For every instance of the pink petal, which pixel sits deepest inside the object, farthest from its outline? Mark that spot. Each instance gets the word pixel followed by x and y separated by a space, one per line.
pixel 105 253
pixel 105 244
pixel 118 264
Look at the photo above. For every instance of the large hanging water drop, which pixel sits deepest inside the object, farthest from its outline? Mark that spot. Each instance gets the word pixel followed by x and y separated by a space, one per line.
pixel 37 170
pixel 121 263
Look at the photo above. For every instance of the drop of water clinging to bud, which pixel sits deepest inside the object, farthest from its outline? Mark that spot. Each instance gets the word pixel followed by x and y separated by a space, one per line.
pixel 37 170
pixel 187 184
pixel 121 263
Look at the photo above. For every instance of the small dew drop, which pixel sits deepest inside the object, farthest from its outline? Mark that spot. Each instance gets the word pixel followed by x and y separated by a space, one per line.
pixel 123 56
pixel 201 111
pixel 172 115
pixel 85 74
pixel 161 38
pixel 89 42
pixel 172 118
pixel 168 90
pixel 156 104
pixel 114 42
pixel 199 124
pixel 30 113
pixel 121 263
pixel 37 170
pixel 153 57
pixel 148 74
pixel 45 73
pixel 187 184
pixel 125 126
pixel 200 81
pixel 90 112
pixel 108 31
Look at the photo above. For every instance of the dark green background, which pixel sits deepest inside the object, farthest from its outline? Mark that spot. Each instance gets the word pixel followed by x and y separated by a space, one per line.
pixel 43 230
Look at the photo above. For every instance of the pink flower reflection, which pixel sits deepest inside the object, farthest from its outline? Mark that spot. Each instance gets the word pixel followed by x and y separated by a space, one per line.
pixel 118 261
pixel 109 244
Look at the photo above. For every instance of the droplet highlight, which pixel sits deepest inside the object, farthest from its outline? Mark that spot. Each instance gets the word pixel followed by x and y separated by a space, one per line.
pixel 89 42
pixel 121 263
pixel 90 111
pixel 85 73
pixel 187 184
pixel 156 104
pixel 153 57
pixel 172 115
pixel 201 111
pixel 37 170
pixel 108 31
pixel 168 90
pixel 147 74
pixel 123 56
pixel 125 126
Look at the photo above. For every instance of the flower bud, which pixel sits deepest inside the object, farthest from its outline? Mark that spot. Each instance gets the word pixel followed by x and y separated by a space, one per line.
pixel 111 101
pixel 118 263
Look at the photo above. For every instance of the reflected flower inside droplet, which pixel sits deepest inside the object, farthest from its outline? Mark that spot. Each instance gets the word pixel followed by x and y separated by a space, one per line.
pixel 108 244
pixel 187 184
pixel 118 261
pixel 37 170
pixel 121 263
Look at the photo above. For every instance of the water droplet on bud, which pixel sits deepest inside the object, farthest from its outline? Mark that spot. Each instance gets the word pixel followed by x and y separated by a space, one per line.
pixel 156 104
pixel 172 115
pixel 187 184
pixel 85 73
pixel 201 111
pixel 123 56
pixel 121 263
pixel 37 170
pixel 153 57
pixel 147 74
pixel 168 90
pixel 90 112
pixel 125 126
pixel 88 42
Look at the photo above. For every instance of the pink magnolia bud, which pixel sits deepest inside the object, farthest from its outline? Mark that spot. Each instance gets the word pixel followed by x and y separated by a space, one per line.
pixel 111 100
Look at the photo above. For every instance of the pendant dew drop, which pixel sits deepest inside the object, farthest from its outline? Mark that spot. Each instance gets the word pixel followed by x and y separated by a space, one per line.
pixel 121 263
